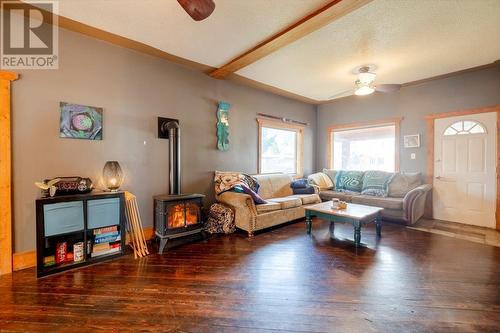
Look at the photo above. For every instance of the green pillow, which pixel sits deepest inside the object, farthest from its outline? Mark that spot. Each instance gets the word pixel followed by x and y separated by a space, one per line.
pixel 377 183
pixel 349 181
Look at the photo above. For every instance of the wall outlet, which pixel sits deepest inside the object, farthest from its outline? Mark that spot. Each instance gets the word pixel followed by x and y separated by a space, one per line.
pixel 413 156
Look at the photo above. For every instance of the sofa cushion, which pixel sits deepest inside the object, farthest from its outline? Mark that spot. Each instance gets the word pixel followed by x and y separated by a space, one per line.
pixel 349 181
pixel 376 183
pixel 404 182
pixel 369 200
pixel 321 180
pixel 307 199
pixel 331 174
pixel 287 202
pixel 274 185
pixel 329 195
pixel 268 207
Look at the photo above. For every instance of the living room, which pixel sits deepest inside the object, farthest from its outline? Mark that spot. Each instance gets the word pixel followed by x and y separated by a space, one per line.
pixel 363 133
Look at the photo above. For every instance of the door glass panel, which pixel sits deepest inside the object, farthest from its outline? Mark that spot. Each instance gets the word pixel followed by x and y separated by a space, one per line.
pixel 465 127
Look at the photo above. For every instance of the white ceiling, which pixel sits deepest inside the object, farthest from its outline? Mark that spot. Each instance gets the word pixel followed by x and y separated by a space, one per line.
pixel 407 40
pixel 233 27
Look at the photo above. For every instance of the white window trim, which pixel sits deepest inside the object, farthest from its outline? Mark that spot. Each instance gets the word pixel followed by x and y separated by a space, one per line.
pixel 384 122
pixel 299 129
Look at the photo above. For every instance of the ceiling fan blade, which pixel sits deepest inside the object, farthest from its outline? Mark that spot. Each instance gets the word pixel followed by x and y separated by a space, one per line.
pixel 340 94
pixel 388 88
pixel 198 9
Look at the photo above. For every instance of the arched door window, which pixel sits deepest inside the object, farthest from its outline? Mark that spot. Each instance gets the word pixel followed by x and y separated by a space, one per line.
pixel 465 127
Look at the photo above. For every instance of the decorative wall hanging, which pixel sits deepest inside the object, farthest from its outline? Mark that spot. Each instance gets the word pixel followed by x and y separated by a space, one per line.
pixel 412 141
pixel 223 126
pixel 80 122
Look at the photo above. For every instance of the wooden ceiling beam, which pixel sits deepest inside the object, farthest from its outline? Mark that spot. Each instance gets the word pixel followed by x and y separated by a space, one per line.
pixel 325 15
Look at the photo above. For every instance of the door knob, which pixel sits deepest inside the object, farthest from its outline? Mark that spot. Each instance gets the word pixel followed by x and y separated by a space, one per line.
pixel 438 177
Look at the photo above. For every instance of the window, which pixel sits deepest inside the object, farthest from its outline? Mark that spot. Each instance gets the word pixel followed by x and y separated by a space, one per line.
pixel 280 147
pixel 465 127
pixel 365 147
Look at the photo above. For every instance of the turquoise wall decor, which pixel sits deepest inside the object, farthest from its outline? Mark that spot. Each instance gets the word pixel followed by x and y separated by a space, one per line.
pixel 223 126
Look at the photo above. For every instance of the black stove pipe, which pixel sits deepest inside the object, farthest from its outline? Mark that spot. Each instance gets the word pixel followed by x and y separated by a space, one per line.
pixel 173 129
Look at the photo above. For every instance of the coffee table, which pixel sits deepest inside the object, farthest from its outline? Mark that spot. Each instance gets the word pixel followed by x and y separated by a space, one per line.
pixel 357 215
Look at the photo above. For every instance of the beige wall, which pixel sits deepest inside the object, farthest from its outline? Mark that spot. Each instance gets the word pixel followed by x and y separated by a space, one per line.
pixel 133 89
pixel 470 90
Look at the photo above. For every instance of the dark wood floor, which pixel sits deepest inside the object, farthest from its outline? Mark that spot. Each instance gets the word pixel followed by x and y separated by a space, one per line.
pixel 281 281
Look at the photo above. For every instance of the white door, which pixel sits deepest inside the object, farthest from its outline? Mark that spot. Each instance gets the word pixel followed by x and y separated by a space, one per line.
pixel 465 169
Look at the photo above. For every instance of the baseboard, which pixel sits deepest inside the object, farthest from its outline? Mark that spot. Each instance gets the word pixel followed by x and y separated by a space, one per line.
pixel 23 260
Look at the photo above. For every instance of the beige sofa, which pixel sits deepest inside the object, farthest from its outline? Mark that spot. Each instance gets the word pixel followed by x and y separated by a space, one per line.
pixel 405 201
pixel 282 205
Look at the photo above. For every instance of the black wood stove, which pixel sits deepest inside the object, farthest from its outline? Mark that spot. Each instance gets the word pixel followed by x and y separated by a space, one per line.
pixel 175 214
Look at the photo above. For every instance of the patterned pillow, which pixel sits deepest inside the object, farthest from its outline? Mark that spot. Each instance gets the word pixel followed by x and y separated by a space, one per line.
pixel 377 183
pixel 349 181
pixel 225 181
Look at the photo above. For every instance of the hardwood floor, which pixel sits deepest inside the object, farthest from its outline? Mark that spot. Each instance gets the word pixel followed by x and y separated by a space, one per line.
pixel 280 281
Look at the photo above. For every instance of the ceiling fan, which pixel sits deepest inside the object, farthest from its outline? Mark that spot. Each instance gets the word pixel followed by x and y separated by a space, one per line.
pixel 364 85
pixel 198 9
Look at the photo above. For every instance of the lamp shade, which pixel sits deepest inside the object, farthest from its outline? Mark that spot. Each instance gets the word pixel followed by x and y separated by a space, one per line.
pixel 112 175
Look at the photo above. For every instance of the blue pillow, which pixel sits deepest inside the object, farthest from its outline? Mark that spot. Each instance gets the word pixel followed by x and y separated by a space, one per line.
pixel 349 181
pixel 299 183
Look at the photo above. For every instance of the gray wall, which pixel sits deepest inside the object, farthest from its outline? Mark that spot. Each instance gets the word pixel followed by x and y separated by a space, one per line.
pixel 470 90
pixel 133 89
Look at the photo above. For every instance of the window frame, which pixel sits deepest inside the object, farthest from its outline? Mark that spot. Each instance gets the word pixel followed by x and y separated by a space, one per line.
pixel 396 122
pixel 298 129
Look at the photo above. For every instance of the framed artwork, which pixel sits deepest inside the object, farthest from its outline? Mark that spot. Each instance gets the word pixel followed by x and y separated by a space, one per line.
pixel 412 141
pixel 223 126
pixel 80 121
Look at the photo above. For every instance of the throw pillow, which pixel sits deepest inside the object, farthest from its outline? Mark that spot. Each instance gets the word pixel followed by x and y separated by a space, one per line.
pixel 403 183
pixel 225 181
pixel 376 183
pixel 332 174
pixel 251 182
pixel 349 181
pixel 299 183
pixel 321 180
pixel 308 190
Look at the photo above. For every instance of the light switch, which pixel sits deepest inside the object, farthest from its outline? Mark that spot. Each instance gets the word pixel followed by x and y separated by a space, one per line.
pixel 413 156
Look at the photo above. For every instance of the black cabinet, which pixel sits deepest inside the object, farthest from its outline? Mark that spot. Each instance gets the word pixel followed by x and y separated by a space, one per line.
pixel 78 230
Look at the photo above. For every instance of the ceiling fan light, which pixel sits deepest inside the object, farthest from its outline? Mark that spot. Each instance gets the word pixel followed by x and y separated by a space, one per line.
pixel 364 90
pixel 366 77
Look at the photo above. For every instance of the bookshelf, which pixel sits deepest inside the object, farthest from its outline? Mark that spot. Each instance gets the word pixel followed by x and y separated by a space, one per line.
pixel 79 230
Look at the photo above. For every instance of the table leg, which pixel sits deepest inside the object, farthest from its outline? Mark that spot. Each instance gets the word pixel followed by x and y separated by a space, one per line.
pixel 308 222
pixel 357 235
pixel 378 225
pixel 332 228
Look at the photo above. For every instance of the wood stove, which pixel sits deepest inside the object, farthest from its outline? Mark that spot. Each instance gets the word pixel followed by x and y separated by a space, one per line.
pixel 175 214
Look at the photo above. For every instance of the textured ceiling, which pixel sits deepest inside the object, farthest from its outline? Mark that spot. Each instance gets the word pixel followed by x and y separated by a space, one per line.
pixel 234 26
pixel 407 40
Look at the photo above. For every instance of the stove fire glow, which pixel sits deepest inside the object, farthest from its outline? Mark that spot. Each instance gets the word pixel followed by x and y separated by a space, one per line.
pixel 183 214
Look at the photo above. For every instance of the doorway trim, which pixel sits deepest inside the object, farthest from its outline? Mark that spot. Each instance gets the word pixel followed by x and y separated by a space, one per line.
pixel 5 172
pixel 430 151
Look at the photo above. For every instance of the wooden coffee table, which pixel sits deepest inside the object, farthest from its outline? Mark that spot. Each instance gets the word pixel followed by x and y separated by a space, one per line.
pixel 355 214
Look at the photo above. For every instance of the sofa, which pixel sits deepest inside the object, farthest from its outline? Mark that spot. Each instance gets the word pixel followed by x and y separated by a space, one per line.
pixel 282 205
pixel 404 203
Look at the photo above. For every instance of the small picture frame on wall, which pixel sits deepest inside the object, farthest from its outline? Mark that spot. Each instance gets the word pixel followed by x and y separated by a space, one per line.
pixel 412 141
